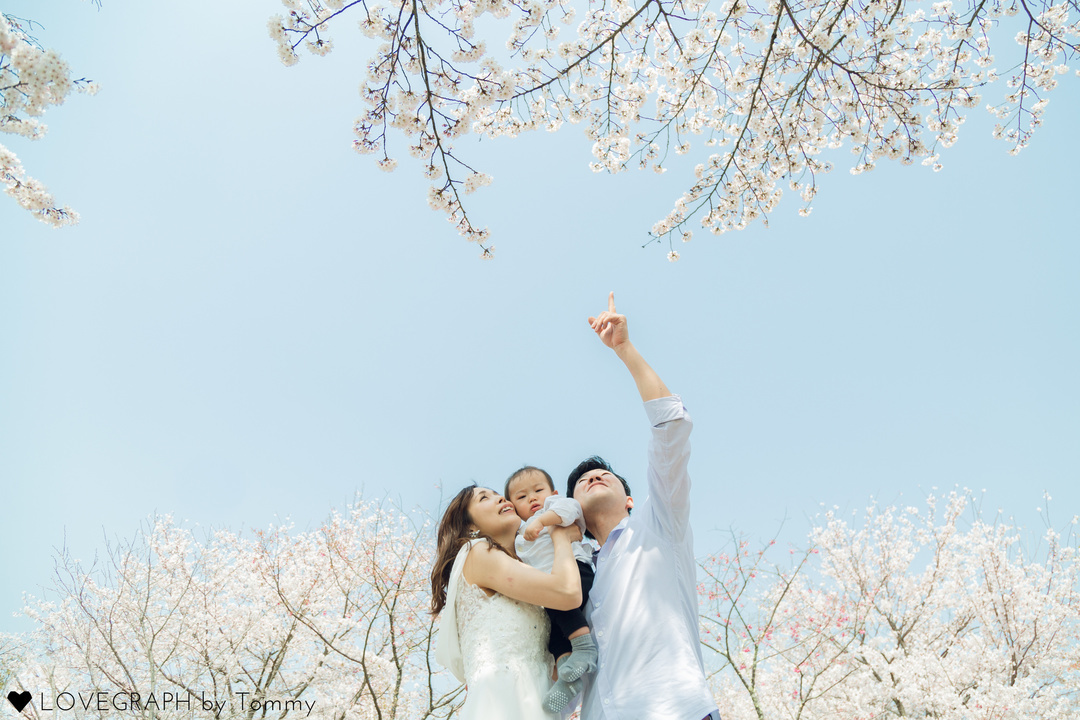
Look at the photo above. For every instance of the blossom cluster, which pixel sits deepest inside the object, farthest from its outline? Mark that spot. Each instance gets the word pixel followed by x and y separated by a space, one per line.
pixel 764 88
pixel 31 80
pixel 413 87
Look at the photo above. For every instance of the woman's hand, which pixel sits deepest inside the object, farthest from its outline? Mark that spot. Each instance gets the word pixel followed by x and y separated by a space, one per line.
pixel 572 533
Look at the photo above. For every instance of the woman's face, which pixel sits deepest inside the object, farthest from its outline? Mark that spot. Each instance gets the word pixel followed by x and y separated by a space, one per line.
pixel 492 514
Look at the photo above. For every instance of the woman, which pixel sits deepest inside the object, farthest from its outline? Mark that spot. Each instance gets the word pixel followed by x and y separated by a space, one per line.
pixel 492 635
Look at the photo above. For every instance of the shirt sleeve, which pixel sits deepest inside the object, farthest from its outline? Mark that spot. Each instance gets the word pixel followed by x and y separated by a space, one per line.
pixel 568 510
pixel 669 457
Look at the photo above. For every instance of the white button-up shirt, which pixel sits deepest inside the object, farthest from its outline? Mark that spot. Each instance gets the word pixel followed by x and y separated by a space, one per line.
pixel 643 607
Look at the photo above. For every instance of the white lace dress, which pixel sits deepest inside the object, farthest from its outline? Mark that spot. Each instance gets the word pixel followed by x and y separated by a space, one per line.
pixel 503 651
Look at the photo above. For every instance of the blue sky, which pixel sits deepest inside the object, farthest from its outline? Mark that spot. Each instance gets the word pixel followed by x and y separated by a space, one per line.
pixel 252 322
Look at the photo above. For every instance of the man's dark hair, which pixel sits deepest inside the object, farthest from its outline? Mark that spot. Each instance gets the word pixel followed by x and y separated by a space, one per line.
pixel 524 470
pixel 594 463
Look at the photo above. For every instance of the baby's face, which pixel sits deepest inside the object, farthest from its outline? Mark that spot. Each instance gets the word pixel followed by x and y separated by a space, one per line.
pixel 528 493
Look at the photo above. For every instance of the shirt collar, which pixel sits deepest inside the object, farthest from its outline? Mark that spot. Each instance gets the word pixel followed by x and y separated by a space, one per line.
pixel 611 538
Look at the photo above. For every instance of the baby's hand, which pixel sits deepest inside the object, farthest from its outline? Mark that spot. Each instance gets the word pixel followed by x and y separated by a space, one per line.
pixel 532 529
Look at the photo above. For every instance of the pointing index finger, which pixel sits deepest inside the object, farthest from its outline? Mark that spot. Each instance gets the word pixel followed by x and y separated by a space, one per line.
pixel 611 302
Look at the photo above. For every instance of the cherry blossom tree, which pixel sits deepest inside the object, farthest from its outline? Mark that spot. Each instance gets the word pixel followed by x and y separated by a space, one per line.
pixel 912 612
pixel 762 627
pixel 32 79
pixel 12 650
pixel 759 90
pixel 915 613
pixel 361 588
pixel 329 624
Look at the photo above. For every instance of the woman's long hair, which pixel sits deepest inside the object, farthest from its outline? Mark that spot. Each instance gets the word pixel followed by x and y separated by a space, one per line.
pixel 453 533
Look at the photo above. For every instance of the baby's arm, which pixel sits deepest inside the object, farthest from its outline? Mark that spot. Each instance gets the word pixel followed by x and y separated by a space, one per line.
pixel 538 522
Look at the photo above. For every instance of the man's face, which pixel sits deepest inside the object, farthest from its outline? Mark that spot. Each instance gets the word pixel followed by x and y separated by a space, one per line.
pixel 597 487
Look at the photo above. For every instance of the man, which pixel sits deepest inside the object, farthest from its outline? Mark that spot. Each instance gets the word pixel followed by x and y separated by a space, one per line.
pixel 643 605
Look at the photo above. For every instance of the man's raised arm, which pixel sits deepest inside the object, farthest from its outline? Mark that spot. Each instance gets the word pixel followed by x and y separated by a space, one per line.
pixel 612 330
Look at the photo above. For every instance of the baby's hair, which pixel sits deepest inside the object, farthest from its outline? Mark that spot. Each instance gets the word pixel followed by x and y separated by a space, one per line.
pixel 521 473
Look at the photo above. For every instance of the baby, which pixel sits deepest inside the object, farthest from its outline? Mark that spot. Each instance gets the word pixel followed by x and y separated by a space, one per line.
pixel 537 503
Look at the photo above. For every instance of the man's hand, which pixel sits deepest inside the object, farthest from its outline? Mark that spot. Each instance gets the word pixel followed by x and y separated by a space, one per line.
pixel 613 332
pixel 610 326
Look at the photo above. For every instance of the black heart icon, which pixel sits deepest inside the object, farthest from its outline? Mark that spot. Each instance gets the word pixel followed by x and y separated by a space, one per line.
pixel 19 700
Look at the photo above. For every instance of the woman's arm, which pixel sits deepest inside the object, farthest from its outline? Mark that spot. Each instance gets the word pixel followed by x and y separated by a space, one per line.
pixel 492 569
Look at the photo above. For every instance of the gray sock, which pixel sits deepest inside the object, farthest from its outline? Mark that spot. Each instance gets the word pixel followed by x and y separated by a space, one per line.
pixel 582 659
pixel 560 695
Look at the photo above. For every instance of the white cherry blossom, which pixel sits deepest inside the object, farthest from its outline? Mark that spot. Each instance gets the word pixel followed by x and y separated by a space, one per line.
pixel 32 79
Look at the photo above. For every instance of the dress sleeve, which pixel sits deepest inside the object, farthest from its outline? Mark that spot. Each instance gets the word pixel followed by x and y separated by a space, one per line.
pixel 669 456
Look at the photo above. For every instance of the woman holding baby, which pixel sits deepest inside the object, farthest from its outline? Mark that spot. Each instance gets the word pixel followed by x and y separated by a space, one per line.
pixel 494 631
